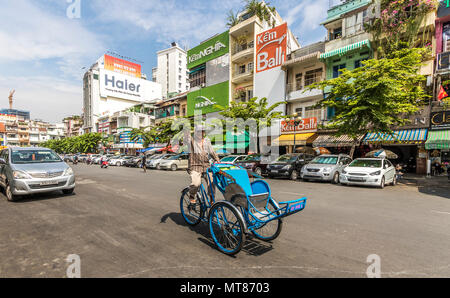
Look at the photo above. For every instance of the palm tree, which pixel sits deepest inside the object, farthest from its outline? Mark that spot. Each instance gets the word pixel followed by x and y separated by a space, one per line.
pixel 232 19
pixel 261 9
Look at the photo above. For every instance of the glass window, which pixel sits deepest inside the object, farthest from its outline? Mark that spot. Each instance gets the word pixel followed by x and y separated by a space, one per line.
pixel 336 70
pixel 366 163
pixel 34 156
pixel 325 160
pixel 299 81
pixel 313 76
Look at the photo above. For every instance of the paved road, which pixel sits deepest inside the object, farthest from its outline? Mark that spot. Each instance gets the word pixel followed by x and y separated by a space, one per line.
pixel 124 223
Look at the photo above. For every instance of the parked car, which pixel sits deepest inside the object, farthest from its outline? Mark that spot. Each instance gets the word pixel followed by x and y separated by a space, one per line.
pixel 325 168
pixel 288 165
pixel 370 172
pixel 119 160
pixel 25 171
pixel 175 162
pixel 233 158
pixel 82 157
pixel 154 163
pixel 255 163
pixel 132 162
pixel 152 157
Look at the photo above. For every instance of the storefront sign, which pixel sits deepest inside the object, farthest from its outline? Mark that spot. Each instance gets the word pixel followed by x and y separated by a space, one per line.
pixel 305 125
pixel 211 49
pixel 205 100
pixel 440 120
pixel 271 47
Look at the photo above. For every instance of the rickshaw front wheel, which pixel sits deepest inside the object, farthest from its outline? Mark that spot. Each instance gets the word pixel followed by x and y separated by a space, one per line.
pixel 271 230
pixel 192 216
pixel 226 228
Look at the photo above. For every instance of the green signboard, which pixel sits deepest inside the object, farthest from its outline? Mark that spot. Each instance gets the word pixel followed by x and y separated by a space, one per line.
pixel 209 50
pixel 205 99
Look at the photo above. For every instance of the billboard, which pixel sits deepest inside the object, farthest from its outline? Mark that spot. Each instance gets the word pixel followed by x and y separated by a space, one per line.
pixel 113 84
pixel 308 124
pixel 210 49
pixel 123 66
pixel 205 99
pixel 440 120
pixel 271 47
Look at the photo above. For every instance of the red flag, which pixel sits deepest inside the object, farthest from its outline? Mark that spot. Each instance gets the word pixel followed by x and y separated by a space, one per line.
pixel 442 94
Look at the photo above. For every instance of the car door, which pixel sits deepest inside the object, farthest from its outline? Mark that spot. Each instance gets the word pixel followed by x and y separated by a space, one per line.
pixel 183 163
pixel 391 170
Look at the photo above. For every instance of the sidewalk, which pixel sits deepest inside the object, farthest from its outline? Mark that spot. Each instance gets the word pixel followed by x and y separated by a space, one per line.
pixel 421 180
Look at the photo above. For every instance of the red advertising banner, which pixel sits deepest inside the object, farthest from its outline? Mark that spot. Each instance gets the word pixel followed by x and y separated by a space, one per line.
pixel 123 66
pixel 305 125
pixel 271 47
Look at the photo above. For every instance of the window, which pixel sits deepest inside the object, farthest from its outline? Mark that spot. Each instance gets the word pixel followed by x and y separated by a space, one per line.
pixel 198 78
pixel 299 112
pixel 336 33
pixel 313 76
pixel 313 112
pixel 241 69
pixel 298 81
pixel 336 70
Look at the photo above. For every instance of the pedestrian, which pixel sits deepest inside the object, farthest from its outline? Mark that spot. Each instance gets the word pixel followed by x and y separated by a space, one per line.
pixel 200 150
pixel 144 162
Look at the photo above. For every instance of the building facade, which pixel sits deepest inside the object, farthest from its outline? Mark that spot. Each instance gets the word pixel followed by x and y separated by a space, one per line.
pixel 171 72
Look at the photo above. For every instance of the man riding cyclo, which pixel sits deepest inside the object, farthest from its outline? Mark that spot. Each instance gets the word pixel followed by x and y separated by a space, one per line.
pixel 200 152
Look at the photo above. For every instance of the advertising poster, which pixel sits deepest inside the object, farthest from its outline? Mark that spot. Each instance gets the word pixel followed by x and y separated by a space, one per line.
pixel 123 66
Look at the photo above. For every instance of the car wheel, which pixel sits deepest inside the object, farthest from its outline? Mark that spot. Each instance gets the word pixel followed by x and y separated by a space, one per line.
pixel 158 167
pixel 118 164
pixel 68 191
pixel 258 171
pixel 294 175
pixel 382 183
pixel 174 168
pixel 9 195
pixel 336 178
pixel 394 180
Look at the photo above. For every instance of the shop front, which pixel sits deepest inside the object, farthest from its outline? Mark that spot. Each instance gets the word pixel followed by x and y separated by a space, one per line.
pixel 438 143
pixel 340 145
pixel 407 144
pixel 296 134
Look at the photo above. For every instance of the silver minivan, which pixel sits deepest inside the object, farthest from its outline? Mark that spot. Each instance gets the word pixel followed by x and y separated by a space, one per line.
pixel 25 171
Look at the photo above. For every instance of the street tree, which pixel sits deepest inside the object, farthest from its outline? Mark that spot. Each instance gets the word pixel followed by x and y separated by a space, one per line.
pixel 376 96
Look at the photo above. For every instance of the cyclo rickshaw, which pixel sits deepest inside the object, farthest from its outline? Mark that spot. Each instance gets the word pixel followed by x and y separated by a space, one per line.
pixel 248 208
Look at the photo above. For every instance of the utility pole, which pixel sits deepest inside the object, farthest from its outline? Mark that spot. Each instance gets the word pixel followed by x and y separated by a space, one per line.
pixel 11 94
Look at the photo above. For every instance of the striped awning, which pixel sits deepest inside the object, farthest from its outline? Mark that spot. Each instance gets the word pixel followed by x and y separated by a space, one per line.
pixel 343 50
pixel 408 136
pixel 438 140
pixel 333 141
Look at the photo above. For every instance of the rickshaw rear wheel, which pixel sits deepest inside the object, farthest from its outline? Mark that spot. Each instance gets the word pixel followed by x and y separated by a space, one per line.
pixel 271 230
pixel 191 217
pixel 226 228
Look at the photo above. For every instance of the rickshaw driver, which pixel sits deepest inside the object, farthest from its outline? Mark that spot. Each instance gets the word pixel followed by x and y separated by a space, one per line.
pixel 200 150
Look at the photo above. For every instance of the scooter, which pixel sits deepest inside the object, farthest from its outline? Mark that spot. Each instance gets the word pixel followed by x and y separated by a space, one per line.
pixel 104 164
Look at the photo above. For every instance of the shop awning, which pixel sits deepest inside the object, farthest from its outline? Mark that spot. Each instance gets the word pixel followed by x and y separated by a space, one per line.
pixel 301 139
pixel 408 136
pixel 333 141
pixel 343 50
pixel 438 140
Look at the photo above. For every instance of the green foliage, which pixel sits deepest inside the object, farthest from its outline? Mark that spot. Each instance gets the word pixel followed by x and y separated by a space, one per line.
pixel 160 133
pixel 232 19
pixel 376 96
pixel 87 143
pixel 253 7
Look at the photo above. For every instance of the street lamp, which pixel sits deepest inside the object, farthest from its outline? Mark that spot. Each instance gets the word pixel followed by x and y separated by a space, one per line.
pixel 294 120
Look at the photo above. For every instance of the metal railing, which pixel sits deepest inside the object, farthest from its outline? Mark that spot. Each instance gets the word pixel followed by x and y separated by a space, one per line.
pixel 243 47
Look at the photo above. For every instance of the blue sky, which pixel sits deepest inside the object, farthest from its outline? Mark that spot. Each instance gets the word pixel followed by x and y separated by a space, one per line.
pixel 42 51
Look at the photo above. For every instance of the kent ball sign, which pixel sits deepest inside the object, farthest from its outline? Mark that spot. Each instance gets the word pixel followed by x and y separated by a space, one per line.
pixel 271 48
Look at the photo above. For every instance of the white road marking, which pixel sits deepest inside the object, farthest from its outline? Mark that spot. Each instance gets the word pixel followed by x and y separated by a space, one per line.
pixel 440 212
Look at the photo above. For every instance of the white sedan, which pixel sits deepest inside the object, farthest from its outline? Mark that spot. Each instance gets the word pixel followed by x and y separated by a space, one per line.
pixel 370 172
pixel 119 161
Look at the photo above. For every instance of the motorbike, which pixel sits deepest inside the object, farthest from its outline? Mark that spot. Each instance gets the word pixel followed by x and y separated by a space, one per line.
pixel 104 164
pixel 75 161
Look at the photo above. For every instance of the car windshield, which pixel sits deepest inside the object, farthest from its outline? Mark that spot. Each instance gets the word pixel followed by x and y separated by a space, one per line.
pixel 366 163
pixel 287 158
pixel 34 156
pixel 325 160
pixel 253 158
pixel 228 158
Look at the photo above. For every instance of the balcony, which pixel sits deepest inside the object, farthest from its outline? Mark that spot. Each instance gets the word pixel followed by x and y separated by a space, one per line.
pixel 243 76
pixel 297 92
pixel 244 52
pixel 346 41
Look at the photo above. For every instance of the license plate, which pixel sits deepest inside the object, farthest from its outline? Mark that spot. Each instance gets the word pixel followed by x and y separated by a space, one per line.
pixel 274 171
pixel 46 183
pixel 356 179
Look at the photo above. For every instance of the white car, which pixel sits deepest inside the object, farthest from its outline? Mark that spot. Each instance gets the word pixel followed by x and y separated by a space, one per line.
pixel 369 171
pixel 119 161
pixel 154 163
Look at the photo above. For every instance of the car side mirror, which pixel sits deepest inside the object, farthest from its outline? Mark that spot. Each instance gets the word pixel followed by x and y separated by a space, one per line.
pixel 2 161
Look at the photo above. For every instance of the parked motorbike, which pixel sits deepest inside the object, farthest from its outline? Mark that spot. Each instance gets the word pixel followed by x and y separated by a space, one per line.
pixel 75 161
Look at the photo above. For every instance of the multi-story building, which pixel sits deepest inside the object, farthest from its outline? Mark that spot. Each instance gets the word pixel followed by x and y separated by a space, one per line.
pixel 20 114
pixel 171 108
pixel 303 68
pixel 73 126
pixel 171 71
pixel 112 85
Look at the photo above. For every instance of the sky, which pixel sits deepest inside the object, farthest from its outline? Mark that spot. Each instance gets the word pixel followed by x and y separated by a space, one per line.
pixel 44 46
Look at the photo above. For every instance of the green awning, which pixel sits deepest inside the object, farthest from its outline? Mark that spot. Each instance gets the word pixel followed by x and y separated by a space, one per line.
pixel 343 50
pixel 438 140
